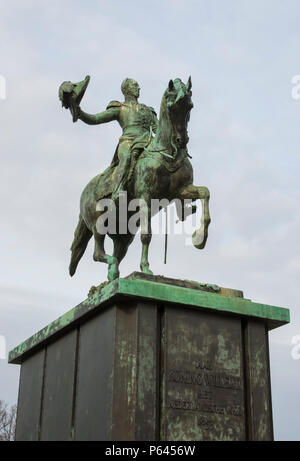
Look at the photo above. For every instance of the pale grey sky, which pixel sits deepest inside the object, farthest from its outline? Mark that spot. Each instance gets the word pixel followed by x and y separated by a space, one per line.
pixel 244 139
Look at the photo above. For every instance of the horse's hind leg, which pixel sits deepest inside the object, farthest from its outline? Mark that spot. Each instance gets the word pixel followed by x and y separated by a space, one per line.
pixel 146 235
pixel 100 255
pixel 121 244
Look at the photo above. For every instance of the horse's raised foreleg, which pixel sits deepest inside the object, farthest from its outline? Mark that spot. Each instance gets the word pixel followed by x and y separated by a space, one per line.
pixel 100 255
pixel 184 210
pixel 146 235
pixel 192 192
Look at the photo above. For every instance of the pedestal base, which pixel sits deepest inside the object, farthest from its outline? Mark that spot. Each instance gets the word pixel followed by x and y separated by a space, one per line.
pixel 150 358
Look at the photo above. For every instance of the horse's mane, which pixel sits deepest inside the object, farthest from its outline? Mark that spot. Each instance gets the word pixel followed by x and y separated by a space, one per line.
pixel 164 115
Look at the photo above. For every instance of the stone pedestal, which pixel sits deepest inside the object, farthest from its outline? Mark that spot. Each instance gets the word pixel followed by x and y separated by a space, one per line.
pixel 150 358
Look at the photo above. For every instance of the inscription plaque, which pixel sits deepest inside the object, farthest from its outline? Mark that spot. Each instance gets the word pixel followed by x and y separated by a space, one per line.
pixel 202 386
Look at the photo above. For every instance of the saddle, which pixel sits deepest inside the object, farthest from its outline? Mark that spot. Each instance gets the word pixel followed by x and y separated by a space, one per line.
pixel 105 180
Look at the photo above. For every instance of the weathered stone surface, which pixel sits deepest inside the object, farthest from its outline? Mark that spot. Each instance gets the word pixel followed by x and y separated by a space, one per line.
pixel 146 287
pixel 148 358
pixel 187 284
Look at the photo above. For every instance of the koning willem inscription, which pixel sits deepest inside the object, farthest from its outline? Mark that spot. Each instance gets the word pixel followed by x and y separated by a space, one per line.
pixel 205 378
pixel 206 408
pixel 208 391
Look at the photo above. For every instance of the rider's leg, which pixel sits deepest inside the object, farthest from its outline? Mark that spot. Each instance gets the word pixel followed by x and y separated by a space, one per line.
pixel 124 155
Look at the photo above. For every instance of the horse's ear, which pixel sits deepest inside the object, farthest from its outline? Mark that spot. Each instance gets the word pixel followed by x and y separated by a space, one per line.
pixel 189 84
pixel 171 85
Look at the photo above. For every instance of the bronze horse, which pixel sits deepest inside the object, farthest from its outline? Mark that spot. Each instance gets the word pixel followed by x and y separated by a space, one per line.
pixel 162 171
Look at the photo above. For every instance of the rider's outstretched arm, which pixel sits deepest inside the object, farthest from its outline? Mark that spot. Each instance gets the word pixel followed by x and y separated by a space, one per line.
pixel 103 117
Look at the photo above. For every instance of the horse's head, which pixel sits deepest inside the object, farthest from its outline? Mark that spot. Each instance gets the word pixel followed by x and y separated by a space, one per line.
pixel 178 103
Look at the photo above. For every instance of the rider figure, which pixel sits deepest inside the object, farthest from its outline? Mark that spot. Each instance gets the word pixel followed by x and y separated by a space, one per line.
pixel 137 122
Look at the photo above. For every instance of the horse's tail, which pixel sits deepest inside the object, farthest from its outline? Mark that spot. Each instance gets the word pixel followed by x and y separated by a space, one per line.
pixel 82 236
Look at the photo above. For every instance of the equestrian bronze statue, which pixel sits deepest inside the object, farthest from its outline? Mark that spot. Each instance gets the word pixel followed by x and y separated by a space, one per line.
pixel 151 162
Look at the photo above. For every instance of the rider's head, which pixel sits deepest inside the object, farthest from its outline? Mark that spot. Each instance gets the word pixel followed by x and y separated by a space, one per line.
pixel 130 87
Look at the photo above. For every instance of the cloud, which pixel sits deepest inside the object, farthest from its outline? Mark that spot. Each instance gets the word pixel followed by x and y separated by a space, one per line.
pixel 243 138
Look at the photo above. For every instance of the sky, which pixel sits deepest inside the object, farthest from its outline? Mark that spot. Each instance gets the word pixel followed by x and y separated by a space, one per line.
pixel 244 139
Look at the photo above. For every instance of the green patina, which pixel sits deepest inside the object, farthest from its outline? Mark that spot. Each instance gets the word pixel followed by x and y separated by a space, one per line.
pixel 151 161
pixel 154 291
pixel 189 297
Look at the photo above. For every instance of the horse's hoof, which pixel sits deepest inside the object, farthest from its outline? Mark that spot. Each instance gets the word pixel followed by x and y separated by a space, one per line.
pixel 199 239
pixel 146 270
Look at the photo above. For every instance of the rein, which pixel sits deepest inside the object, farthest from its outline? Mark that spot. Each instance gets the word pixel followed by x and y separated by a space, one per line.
pixel 176 163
